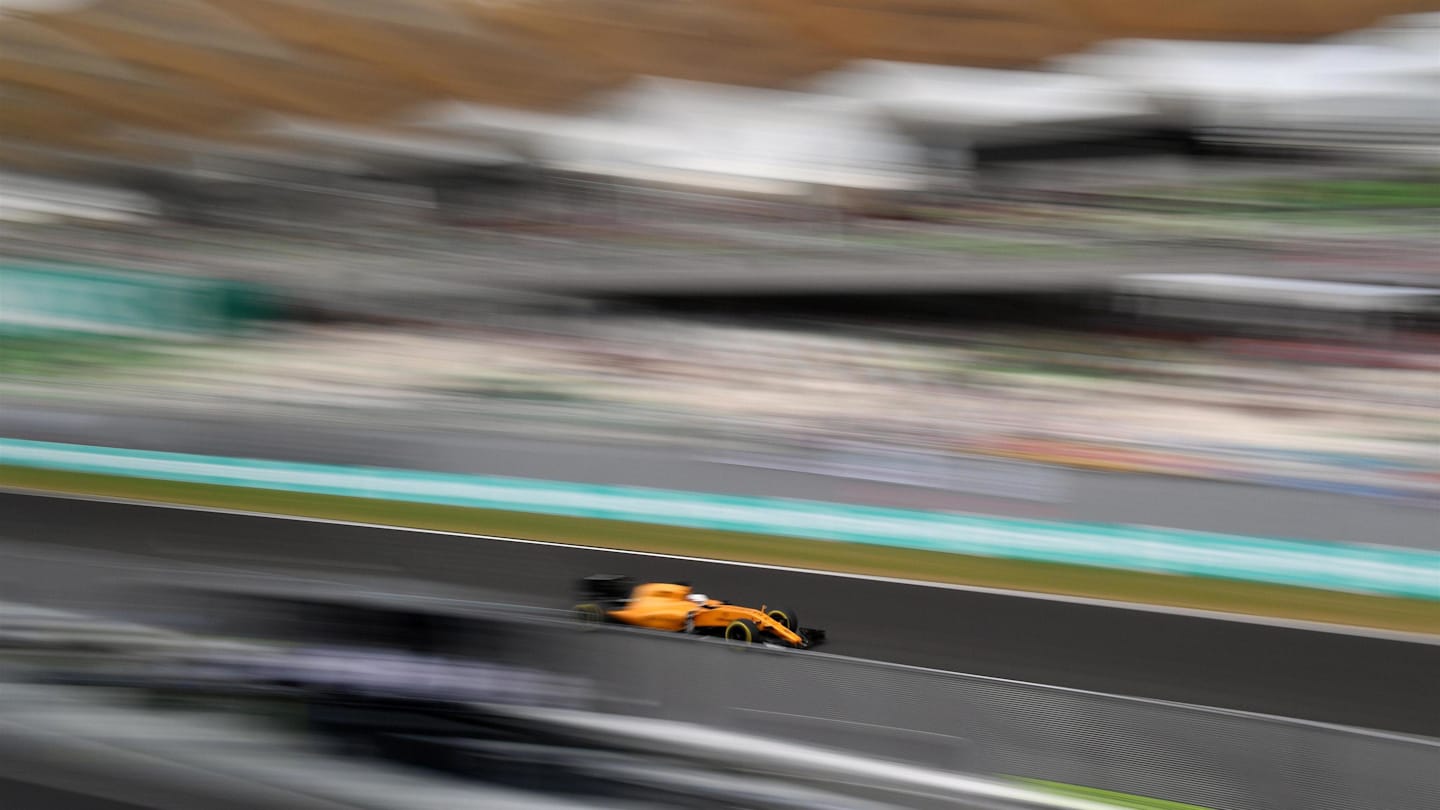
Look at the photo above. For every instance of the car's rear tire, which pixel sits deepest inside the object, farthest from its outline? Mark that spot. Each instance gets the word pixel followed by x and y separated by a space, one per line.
pixel 742 630
pixel 589 613
pixel 786 617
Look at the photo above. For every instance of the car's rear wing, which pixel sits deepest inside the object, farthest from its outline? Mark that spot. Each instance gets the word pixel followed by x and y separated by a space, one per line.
pixel 606 588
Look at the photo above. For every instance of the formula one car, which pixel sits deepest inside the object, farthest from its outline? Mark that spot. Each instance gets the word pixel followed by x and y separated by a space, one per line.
pixel 676 607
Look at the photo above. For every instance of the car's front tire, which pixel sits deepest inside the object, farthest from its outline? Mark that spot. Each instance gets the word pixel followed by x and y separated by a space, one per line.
pixel 742 630
pixel 785 617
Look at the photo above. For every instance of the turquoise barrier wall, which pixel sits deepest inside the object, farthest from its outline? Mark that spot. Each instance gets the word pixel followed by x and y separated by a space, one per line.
pixel 1371 569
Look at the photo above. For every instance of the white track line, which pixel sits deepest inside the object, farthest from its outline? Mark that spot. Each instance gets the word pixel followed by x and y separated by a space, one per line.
pixel 1199 613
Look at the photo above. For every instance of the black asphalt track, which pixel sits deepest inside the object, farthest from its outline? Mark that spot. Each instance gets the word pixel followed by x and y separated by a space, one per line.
pixel 1350 679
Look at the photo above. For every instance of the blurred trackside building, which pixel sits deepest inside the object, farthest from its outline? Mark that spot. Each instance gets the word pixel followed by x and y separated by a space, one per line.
pixel 302 110
pixel 189 97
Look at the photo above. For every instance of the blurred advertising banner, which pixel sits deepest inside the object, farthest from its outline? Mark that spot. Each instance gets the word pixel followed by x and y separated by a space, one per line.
pixel 66 299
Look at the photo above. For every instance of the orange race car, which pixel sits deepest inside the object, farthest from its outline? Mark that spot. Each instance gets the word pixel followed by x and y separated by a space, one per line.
pixel 676 607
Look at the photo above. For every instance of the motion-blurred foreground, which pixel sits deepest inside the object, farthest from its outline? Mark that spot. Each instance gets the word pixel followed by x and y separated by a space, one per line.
pixel 1113 302
pixel 282 694
pixel 225 689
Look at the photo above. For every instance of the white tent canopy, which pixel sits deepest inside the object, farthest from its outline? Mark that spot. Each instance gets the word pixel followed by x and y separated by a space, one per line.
pixel 1218 84
pixel 1398 123
pixel 728 139
pixel 765 135
pixel 1414 34
pixel 988 104
pixel 1296 293
pixel 32 199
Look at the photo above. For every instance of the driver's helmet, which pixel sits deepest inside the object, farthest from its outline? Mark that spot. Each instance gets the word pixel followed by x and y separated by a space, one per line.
pixel 698 598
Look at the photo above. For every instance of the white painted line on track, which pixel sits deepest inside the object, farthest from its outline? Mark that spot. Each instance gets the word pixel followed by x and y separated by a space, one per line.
pixel 1149 701
pixel 1198 613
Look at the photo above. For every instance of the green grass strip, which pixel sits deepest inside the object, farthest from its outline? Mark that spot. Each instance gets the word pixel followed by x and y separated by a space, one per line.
pixel 1125 800
pixel 1410 615
pixel 51 356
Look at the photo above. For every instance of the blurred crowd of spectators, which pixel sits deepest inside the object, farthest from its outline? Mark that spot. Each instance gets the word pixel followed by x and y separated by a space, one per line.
pixel 1293 413
pixel 1373 221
